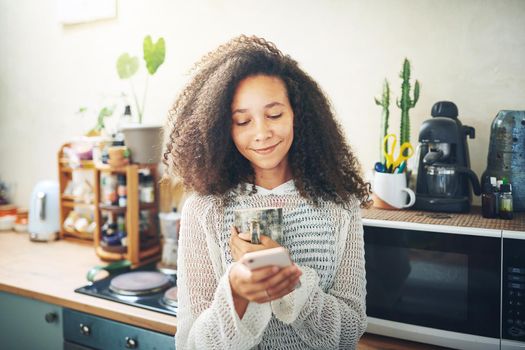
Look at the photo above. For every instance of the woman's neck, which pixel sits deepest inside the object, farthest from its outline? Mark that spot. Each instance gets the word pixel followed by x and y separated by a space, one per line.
pixel 270 179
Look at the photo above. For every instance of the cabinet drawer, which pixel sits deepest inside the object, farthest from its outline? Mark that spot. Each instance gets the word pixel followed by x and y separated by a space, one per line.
pixel 100 333
pixel 29 324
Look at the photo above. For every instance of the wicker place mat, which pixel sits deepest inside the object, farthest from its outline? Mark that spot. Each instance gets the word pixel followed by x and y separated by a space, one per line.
pixel 472 219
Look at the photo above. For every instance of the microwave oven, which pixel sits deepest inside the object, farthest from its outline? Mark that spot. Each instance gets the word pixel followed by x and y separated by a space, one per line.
pixel 457 287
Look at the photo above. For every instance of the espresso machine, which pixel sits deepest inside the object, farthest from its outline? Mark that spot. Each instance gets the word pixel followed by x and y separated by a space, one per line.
pixel 444 177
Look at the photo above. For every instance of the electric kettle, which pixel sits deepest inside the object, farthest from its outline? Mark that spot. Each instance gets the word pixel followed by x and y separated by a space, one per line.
pixel 44 219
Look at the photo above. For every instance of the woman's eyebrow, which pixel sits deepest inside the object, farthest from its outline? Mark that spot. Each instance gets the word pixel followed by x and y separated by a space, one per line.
pixel 240 110
pixel 269 105
pixel 272 104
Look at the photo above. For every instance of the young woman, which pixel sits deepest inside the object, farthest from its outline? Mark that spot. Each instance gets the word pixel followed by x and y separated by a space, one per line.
pixel 253 130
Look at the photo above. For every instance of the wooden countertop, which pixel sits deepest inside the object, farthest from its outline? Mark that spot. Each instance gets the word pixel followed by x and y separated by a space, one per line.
pixel 51 271
pixel 473 219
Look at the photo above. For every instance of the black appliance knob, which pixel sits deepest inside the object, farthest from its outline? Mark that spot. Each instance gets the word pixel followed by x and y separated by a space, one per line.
pixel 444 109
pixel 131 343
pixel 51 317
pixel 85 329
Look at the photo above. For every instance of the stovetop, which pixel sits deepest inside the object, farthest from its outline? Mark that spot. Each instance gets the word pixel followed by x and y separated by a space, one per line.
pixel 153 301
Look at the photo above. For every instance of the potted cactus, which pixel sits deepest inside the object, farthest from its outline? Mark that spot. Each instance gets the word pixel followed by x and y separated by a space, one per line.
pixel 383 129
pixel 405 103
pixel 144 141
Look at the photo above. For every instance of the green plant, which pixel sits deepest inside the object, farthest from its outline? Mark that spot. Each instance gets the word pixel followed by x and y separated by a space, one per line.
pixel 406 103
pixel 102 115
pixel 385 104
pixel 127 66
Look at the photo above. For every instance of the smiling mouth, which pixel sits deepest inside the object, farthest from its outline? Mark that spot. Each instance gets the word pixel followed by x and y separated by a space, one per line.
pixel 266 150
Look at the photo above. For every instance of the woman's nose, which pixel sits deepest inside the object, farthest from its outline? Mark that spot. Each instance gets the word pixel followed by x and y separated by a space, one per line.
pixel 262 131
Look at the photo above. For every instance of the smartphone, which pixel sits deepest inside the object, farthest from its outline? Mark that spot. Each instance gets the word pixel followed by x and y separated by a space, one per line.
pixel 268 257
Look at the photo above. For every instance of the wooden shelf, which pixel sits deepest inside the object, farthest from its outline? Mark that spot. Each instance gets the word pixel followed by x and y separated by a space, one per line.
pixel 123 169
pixel 108 169
pixel 84 164
pixel 148 206
pixel 70 202
pixel 109 256
pixel 150 252
pixel 70 170
pixel 136 254
pixel 112 208
pixel 82 236
pixel 133 252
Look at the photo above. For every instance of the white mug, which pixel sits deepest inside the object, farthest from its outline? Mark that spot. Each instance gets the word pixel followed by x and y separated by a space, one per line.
pixel 392 189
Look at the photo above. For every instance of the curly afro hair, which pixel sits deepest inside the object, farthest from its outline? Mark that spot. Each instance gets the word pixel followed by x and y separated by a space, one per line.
pixel 199 148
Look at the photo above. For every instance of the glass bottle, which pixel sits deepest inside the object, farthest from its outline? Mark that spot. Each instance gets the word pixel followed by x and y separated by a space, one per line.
pixel 121 229
pixel 506 209
pixel 109 189
pixel 122 191
pixel 495 189
pixel 147 188
pixel 488 202
pixel 125 119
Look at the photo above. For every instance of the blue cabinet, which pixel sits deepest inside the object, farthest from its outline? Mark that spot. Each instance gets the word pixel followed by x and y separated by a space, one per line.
pixel 85 331
pixel 29 324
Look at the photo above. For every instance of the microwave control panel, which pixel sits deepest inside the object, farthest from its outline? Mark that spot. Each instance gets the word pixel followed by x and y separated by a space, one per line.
pixel 513 290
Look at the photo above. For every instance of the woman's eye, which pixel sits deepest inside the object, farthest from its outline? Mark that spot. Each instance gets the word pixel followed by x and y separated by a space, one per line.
pixel 242 122
pixel 275 116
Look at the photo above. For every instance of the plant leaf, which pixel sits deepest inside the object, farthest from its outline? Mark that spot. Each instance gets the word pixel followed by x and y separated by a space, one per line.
pixel 154 53
pixel 127 66
pixel 104 112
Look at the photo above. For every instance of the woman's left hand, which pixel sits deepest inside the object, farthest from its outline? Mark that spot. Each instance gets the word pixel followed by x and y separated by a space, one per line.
pixel 239 246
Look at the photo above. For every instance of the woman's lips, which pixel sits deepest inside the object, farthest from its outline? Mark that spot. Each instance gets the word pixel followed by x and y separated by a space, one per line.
pixel 266 150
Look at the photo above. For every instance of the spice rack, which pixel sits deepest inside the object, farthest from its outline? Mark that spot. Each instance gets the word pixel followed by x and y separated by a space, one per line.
pixel 70 202
pixel 141 246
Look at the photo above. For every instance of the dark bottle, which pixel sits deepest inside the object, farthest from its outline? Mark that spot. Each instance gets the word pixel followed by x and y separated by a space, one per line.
pixel 488 202
pixel 109 230
pixel 506 210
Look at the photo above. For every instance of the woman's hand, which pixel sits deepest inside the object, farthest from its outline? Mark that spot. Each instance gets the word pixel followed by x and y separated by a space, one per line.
pixel 239 245
pixel 264 284
pixel 260 285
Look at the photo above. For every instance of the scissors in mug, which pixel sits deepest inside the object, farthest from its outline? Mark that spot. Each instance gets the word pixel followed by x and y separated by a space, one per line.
pixel 405 152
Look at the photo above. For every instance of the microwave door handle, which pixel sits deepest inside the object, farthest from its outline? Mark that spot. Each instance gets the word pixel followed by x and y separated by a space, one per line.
pixel 41 205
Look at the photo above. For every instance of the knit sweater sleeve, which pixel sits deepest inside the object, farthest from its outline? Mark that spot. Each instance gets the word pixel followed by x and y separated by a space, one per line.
pixel 206 318
pixel 335 319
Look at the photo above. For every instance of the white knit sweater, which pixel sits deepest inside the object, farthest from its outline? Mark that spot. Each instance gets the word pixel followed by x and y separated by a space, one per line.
pixel 327 311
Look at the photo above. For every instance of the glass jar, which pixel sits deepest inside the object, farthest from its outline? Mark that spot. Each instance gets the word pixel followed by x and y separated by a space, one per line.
pixel 147 188
pixel 442 181
pixel 506 210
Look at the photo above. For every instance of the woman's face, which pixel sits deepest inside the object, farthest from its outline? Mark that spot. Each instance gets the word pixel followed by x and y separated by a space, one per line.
pixel 262 123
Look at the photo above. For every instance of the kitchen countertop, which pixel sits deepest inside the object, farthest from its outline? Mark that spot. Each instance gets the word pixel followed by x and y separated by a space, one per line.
pixel 473 219
pixel 51 271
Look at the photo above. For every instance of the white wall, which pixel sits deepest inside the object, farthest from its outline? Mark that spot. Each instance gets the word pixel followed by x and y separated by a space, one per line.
pixel 471 52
